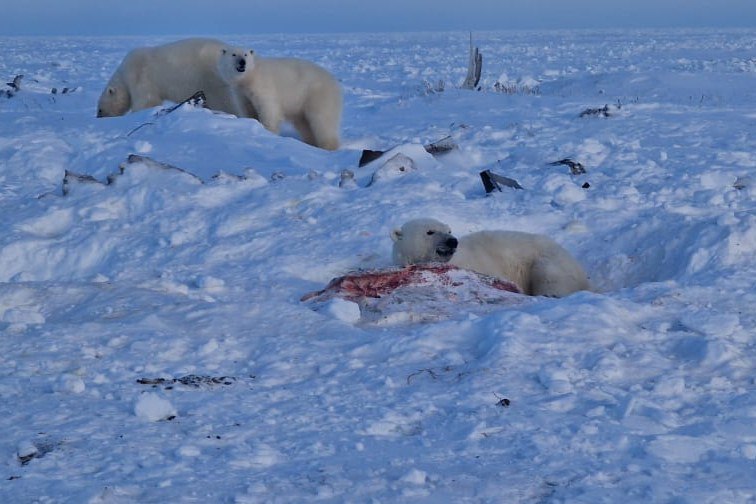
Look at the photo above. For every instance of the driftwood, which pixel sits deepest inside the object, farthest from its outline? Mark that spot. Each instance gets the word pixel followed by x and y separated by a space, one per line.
pixel 198 99
pixel 589 112
pixel 16 83
pixel 474 67
pixel 436 148
pixel 742 182
pixel 15 87
pixel 493 182
pixel 35 450
pixel 65 90
pixel 71 178
pixel 346 179
pixel 137 159
pixel 429 88
pixel 575 167
pixel 368 156
pixel 513 89
pixel 442 146
pixel 192 381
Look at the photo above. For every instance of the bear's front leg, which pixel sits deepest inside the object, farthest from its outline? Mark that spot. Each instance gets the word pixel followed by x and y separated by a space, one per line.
pixel 249 109
pixel 238 104
pixel 270 117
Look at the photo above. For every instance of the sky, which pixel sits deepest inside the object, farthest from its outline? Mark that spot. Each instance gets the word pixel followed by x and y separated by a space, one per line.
pixel 187 17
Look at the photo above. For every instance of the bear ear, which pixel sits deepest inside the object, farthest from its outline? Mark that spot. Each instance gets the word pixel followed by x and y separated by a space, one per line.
pixel 396 234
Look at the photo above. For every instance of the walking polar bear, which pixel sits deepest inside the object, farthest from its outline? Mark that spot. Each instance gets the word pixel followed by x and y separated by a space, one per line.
pixel 536 263
pixel 148 76
pixel 285 89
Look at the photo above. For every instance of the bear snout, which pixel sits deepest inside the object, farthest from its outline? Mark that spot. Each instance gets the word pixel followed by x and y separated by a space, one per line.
pixel 241 65
pixel 446 248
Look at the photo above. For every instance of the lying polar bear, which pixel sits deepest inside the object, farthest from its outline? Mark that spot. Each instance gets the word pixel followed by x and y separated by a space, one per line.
pixel 536 263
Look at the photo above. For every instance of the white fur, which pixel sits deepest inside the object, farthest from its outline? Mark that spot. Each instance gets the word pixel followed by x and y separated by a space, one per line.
pixel 286 89
pixel 536 263
pixel 148 76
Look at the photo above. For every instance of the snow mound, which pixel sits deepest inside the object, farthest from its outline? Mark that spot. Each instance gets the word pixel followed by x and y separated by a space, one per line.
pixel 153 408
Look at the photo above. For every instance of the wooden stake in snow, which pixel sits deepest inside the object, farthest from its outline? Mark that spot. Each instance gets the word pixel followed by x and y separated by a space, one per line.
pixel 474 66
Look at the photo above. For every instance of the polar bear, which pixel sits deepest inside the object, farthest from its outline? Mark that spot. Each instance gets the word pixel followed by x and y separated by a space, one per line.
pixel 536 263
pixel 286 89
pixel 148 76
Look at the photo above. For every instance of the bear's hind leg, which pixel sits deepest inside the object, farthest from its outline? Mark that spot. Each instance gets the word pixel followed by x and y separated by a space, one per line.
pixel 324 126
pixel 304 130
pixel 270 117
pixel 556 277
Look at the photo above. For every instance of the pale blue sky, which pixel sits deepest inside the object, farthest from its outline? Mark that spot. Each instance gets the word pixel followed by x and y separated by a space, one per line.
pixel 187 17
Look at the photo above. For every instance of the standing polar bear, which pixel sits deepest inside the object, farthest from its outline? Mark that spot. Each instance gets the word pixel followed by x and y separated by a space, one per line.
pixel 148 76
pixel 285 89
pixel 536 263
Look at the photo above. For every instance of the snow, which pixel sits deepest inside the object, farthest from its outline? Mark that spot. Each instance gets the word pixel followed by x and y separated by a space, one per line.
pixel 154 345
pixel 346 311
pixel 152 407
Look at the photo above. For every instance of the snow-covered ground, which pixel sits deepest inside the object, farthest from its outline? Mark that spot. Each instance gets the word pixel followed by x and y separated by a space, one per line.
pixel 154 347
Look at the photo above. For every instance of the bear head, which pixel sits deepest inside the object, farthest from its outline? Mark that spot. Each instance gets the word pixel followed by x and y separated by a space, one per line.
pixel 422 241
pixel 235 62
pixel 114 101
